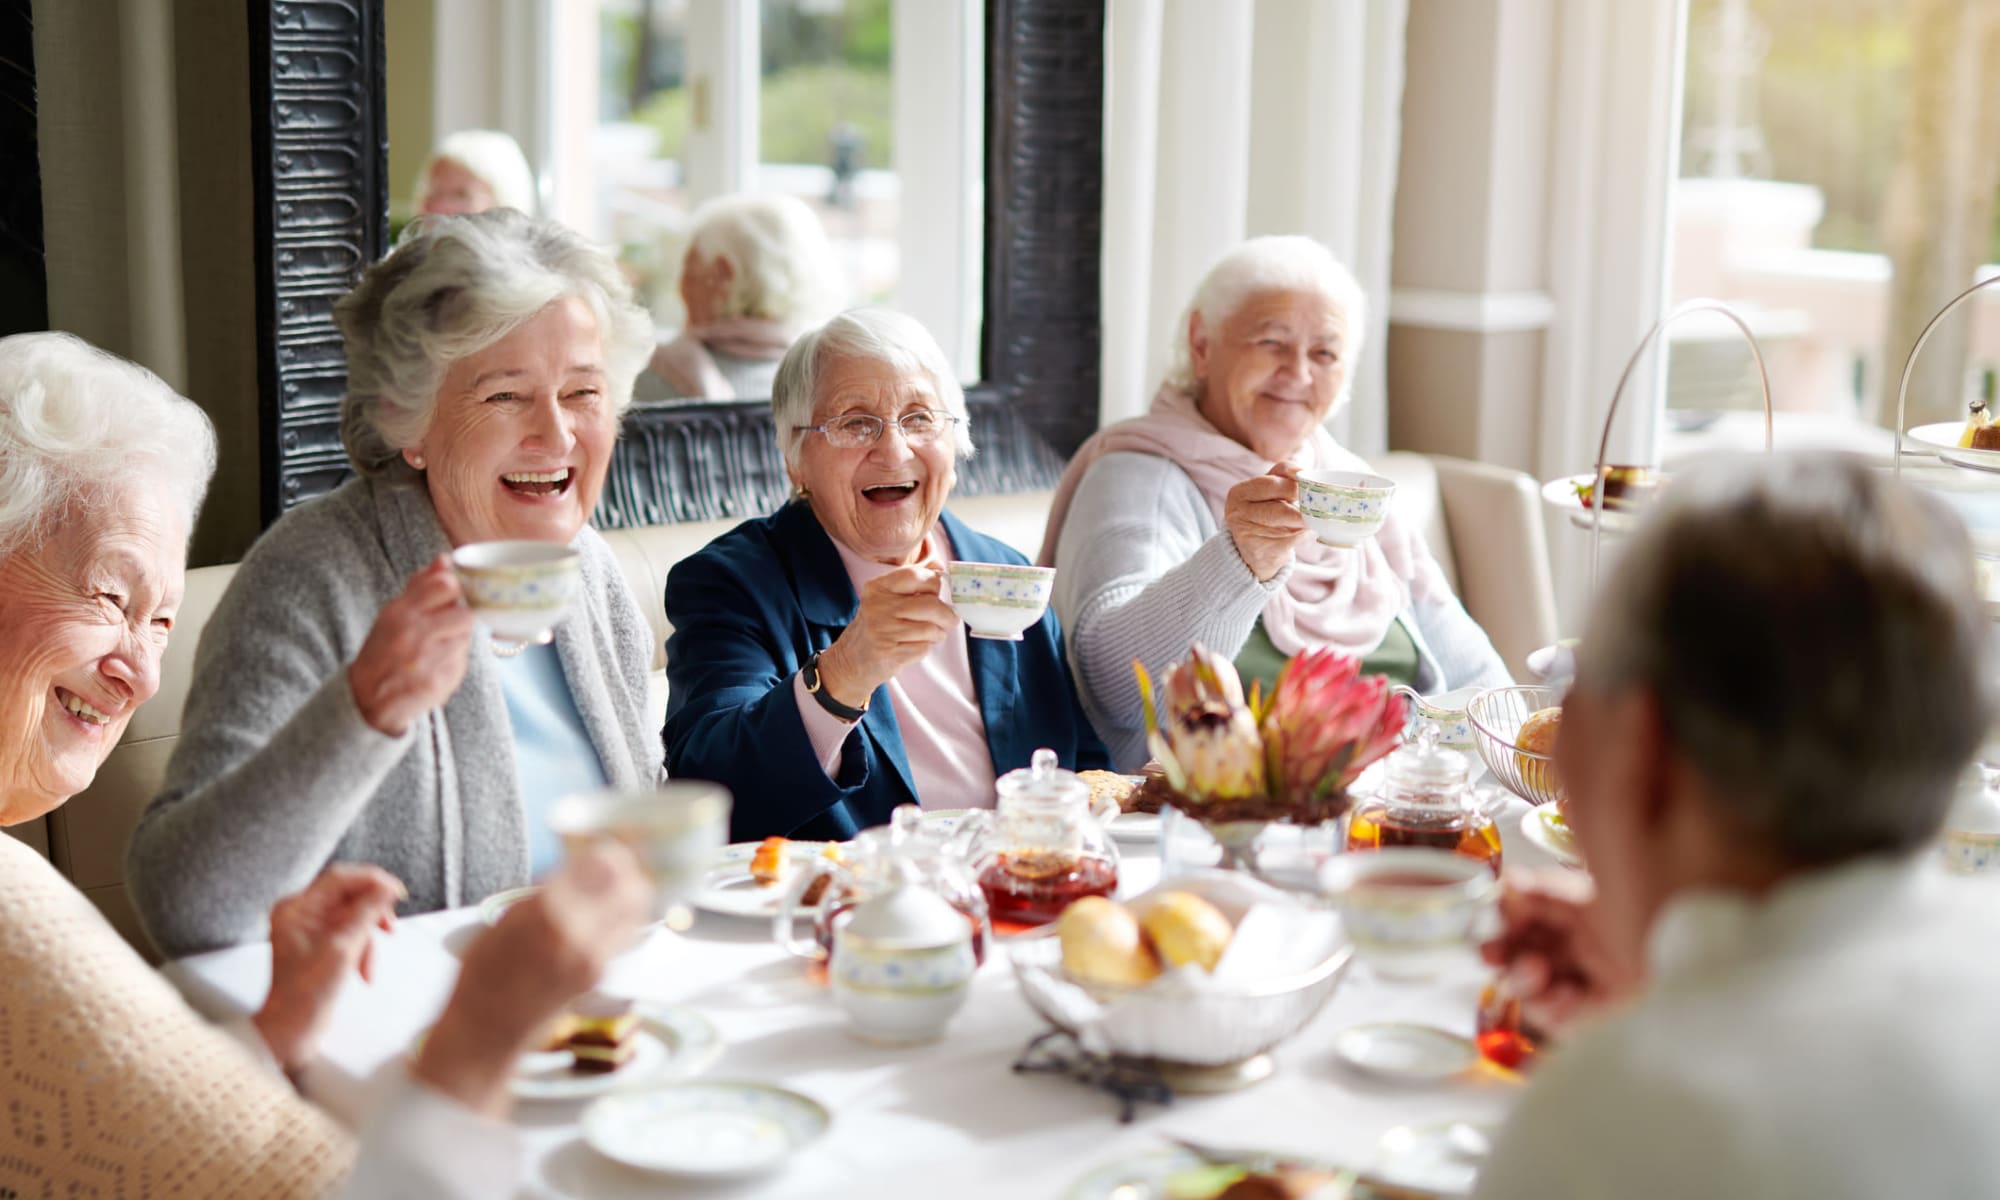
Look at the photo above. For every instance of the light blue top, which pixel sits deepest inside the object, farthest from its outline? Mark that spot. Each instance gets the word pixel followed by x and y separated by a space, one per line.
pixel 552 750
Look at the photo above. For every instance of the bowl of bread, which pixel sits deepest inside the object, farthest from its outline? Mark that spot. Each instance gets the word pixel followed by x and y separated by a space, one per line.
pixel 1199 978
pixel 1514 730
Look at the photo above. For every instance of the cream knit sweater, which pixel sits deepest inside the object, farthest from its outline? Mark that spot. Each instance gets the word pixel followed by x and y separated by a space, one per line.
pixel 111 1086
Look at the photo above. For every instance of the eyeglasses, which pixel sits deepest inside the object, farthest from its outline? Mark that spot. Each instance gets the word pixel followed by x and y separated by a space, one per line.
pixel 855 430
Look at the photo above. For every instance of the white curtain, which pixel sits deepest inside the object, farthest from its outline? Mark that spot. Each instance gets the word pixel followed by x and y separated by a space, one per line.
pixel 1225 120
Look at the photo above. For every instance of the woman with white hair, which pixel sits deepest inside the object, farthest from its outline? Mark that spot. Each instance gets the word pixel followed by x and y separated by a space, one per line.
pixel 473 170
pixel 114 1085
pixel 815 666
pixel 758 272
pixel 1183 525
pixel 342 706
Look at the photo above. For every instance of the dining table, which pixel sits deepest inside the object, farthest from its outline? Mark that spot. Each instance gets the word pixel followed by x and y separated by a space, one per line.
pixel 950 1118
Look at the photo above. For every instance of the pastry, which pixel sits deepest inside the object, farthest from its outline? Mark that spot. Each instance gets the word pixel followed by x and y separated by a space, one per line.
pixel 1185 928
pixel 1110 784
pixel 601 1029
pixel 767 865
pixel 1538 736
pixel 817 888
pixel 1986 437
pixel 1102 943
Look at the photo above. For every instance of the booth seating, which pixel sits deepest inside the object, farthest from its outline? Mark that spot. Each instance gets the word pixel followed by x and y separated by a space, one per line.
pixel 1484 524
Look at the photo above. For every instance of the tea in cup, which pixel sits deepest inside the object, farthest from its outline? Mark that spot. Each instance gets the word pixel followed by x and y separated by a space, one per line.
pixel 999 601
pixel 1410 911
pixel 1345 508
pixel 1444 712
pixel 675 830
pixel 520 590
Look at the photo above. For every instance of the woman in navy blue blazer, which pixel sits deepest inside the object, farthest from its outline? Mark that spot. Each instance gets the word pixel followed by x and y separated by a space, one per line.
pixel 815 667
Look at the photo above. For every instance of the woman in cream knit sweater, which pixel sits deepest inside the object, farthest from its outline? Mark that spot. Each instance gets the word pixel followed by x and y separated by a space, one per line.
pixel 113 1086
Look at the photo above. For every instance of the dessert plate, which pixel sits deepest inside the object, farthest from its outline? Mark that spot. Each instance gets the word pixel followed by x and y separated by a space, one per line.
pixel 1405 1053
pixel 1546 828
pixel 705 1130
pixel 1441 1159
pixel 1561 494
pixel 729 888
pixel 1941 439
pixel 1172 1174
pixel 672 1043
pixel 1136 827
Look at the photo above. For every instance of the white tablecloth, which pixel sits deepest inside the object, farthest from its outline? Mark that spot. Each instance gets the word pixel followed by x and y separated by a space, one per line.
pixel 949 1119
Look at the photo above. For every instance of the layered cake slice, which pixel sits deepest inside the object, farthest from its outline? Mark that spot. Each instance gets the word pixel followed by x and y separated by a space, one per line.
pixel 601 1033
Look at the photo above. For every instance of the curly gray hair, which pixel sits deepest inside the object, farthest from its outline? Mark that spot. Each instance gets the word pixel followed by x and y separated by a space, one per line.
pixel 1813 636
pixel 783 265
pixel 74 420
pixel 882 334
pixel 452 287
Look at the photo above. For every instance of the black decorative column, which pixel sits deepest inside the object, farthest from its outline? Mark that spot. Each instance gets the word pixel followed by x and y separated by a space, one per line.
pixel 319 128
pixel 24 281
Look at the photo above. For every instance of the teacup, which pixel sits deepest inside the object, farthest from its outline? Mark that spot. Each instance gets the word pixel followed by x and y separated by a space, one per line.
pixel 675 830
pixel 999 600
pixel 1345 508
pixel 1444 712
pixel 521 590
pixel 1413 911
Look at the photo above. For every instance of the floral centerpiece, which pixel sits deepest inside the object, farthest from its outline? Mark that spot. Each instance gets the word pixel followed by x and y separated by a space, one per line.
pixel 1237 764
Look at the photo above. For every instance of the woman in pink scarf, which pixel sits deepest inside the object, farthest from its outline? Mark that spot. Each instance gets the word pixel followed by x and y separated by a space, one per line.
pixel 758 272
pixel 1183 525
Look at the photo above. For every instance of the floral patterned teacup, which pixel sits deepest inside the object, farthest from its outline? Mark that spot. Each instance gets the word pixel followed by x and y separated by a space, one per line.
pixel 999 600
pixel 520 590
pixel 1345 508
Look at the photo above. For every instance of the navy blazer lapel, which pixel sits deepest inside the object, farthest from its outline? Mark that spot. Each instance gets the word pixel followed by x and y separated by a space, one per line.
pixel 827 601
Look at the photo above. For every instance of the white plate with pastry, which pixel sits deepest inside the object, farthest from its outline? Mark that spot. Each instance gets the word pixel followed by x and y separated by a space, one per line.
pixel 1545 827
pixel 1941 439
pixel 741 884
pixel 596 1052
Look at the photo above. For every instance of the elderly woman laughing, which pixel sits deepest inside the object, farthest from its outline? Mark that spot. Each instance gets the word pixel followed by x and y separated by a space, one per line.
pixel 342 704
pixel 1183 525
pixel 115 1086
pixel 816 668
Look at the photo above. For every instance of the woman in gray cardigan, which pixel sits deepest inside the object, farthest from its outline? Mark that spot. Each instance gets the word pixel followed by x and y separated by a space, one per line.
pixel 1183 525
pixel 345 707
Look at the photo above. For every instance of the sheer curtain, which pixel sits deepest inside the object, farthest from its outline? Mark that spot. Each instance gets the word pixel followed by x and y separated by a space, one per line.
pixel 1225 121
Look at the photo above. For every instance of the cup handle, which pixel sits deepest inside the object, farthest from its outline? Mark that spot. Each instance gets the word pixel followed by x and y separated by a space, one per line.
pixel 784 926
pixel 1414 719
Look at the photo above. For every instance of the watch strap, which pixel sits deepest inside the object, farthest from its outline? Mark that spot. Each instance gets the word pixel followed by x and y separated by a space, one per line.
pixel 809 675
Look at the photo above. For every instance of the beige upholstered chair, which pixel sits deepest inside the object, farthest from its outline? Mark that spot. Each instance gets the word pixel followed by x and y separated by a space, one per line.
pixel 1482 522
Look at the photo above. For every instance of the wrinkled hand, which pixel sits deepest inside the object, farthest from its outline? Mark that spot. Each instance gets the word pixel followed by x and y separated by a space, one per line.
pixel 415 655
pixel 1263 519
pixel 318 937
pixel 1555 957
pixel 518 975
pixel 902 615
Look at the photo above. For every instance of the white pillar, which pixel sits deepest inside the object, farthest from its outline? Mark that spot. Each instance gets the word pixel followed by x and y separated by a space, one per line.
pixel 723 55
pixel 1133 30
pixel 939 109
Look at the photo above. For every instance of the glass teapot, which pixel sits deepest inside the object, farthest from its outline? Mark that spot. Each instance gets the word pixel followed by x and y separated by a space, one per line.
pixel 1427 800
pixel 1043 847
pixel 876 862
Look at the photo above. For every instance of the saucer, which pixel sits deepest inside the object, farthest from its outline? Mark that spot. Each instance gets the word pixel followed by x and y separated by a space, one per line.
pixel 495 906
pixel 705 1130
pixel 1405 1053
pixel 1442 1159
pixel 729 888
pixel 671 1044
pixel 1545 828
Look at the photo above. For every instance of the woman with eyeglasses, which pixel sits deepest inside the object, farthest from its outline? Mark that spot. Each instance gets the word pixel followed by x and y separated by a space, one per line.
pixel 815 667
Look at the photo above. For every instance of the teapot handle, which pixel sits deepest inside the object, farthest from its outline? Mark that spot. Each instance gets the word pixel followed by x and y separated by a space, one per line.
pixel 784 926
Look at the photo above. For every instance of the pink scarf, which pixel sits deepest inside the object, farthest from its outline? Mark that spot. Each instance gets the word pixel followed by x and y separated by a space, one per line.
pixel 1340 598
pixel 687 364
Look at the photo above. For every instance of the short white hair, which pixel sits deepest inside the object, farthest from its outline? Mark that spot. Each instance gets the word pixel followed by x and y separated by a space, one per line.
pixel 881 334
pixel 76 422
pixel 494 158
pixel 1278 263
pixel 452 287
pixel 782 263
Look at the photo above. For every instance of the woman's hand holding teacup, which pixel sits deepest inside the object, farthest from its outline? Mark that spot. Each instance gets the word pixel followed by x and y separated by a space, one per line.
pixel 543 953
pixel 902 615
pixel 318 938
pixel 415 655
pixel 1554 957
pixel 1263 519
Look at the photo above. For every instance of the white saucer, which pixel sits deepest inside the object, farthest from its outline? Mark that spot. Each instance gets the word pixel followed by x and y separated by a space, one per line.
pixel 1561 494
pixel 729 888
pixel 1442 1159
pixel 1542 827
pixel 1405 1053
pixel 671 1044
pixel 704 1130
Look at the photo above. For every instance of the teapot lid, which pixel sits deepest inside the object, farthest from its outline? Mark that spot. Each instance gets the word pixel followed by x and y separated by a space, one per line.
pixel 1426 768
pixel 1042 778
pixel 908 914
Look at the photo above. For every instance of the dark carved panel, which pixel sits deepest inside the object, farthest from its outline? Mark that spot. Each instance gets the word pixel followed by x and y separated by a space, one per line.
pixel 319 125
pixel 323 215
pixel 24 281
